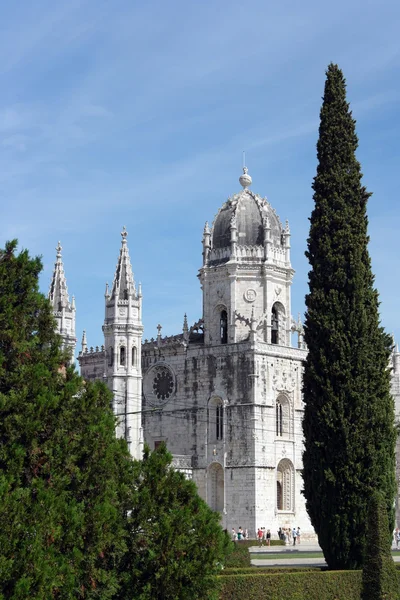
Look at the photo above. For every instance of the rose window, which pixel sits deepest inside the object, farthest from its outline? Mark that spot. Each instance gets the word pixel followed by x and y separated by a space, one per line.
pixel 163 385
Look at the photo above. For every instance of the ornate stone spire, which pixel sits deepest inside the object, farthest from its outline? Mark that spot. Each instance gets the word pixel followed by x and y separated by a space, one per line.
pixel 64 310
pixel 123 284
pixel 185 328
pixel 84 342
pixel 245 179
pixel 58 292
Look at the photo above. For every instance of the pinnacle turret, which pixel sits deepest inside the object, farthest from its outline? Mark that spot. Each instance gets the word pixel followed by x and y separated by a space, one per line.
pixel 64 310
pixel 58 292
pixel 123 284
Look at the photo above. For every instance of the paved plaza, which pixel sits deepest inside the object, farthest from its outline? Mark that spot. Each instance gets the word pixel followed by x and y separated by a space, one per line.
pixel 289 556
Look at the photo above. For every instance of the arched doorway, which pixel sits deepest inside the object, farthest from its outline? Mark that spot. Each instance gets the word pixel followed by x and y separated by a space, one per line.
pixel 215 487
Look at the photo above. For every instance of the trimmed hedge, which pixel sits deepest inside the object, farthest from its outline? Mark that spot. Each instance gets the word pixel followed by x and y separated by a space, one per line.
pixel 257 570
pixel 240 557
pixel 326 585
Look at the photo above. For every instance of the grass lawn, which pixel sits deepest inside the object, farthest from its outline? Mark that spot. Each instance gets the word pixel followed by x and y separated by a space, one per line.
pixel 285 555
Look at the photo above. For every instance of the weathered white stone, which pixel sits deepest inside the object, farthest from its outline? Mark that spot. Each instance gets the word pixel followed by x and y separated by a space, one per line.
pixel 64 311
pixel 225 394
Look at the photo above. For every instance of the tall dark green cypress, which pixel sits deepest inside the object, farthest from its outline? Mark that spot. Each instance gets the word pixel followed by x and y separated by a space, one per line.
pixel 349 414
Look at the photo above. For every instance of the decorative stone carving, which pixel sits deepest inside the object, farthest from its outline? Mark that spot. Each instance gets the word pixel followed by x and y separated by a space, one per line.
pixel 250 295
pixel 159 384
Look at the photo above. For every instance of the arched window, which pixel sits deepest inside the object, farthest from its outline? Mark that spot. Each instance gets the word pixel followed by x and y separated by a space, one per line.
pixel 215 420
pixel 133 356
pixel 282 416
pixel 223 323
pixel 285 486
pixel 277 324
pixel 219 421
pixel 274 326
pixel 122 355
pixel 110 356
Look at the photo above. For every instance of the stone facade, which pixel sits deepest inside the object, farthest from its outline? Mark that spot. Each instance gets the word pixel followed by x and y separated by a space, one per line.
pixel 233 401
pixel 226 393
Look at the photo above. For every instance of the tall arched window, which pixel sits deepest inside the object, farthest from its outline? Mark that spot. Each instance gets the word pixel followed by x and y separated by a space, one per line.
pixel 133 356
pixel 274 326
pixel 122 355
pixel 285 486
pixel 223 322
pixel 219 422
pixel 215 420
pixel 282 416
pixel 278 324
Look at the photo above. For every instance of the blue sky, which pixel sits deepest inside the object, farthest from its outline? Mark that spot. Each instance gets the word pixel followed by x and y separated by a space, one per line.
pixel 132 113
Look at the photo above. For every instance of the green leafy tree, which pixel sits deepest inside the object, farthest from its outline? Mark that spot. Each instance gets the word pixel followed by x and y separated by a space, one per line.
pixel 349 414
pixel 63 474
pixel 380 581
pixel 176 545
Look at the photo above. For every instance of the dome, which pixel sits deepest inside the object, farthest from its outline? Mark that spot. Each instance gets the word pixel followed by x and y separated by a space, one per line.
pixel 247 211
pixel 249 222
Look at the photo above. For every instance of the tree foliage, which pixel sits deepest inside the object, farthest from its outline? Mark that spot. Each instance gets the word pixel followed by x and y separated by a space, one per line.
pixel 175 543
pixel 349 414
pixel 63 474
pixel 379 581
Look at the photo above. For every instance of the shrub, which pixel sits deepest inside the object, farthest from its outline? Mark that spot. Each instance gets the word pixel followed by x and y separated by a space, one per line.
pixel 257 570
pixel 327 585
pixel 379 574
pixel 240 557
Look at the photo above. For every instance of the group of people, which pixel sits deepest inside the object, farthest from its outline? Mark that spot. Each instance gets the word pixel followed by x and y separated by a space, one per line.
pixel 263 534
pixel 285 534
pixel 240 534
pixel 289 535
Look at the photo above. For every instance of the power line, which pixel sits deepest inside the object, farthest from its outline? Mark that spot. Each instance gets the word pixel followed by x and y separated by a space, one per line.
pixel 210 421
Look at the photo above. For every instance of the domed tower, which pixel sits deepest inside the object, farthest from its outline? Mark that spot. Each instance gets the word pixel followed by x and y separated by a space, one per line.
pixel 246 273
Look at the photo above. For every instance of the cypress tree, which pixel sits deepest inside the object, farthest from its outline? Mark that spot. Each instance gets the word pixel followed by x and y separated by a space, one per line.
pixel 380 581
pixel 63 475
pixel 348 421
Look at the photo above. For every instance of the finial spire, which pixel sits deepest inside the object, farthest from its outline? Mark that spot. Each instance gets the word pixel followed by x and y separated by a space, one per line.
pixel 84 342
pixel 64 309
pixel 124 283
pixel 58 293
pixel 124 234
pixel 245 179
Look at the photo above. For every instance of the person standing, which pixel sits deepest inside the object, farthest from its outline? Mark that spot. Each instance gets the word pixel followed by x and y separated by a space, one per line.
pixel 268 537
pixel 294 535
pixel 234 536
pixel 240 534
pixel 298 535
pixel 260 535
